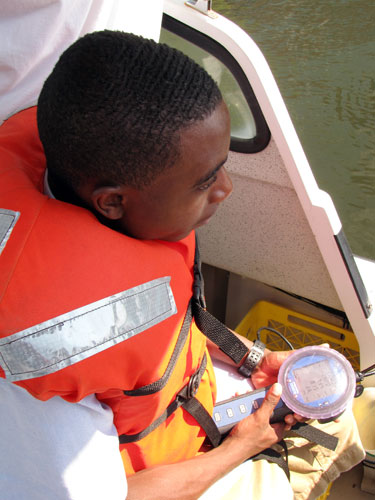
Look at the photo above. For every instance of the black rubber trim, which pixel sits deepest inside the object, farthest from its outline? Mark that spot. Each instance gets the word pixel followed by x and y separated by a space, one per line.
pixel 159 384
pixel 261 140
pixel 352 268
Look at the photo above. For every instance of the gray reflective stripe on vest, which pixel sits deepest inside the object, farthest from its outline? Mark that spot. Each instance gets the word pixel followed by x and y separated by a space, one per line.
pixel 79 334
pixel 8 218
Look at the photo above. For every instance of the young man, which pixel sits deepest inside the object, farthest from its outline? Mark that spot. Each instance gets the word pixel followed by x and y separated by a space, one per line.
pixel 135 137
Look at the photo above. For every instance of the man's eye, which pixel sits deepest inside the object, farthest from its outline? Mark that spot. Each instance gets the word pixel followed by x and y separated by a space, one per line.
pixel 204 187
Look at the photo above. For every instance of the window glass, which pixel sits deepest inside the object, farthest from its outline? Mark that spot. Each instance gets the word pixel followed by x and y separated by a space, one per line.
pixel 242 121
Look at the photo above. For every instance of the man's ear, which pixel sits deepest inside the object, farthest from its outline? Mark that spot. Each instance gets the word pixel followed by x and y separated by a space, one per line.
pixel 109 201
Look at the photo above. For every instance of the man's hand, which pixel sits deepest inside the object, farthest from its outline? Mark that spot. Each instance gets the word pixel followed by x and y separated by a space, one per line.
pixel 266 374
pixel 267 371
pixel 255 433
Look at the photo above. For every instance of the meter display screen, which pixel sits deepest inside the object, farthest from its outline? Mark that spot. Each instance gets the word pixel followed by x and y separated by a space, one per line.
pixel 318 382
pixel 315 381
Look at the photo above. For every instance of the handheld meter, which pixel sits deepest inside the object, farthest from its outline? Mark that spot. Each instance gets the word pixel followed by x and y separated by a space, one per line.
pixel 317 382
pixel 229 412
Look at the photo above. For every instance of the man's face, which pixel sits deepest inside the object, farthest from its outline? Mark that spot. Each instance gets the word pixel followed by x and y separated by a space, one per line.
pixel 186 195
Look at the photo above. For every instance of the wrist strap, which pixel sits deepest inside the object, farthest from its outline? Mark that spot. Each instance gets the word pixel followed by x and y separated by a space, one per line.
pixel 253 359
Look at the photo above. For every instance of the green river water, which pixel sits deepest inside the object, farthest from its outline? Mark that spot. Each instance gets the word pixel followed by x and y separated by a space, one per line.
pixel 322 55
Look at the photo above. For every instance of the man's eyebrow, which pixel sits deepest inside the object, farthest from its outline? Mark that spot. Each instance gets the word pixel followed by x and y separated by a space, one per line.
pixel 211 174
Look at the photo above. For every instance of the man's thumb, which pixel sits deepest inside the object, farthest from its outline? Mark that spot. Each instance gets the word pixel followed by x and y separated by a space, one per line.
pixel 272 397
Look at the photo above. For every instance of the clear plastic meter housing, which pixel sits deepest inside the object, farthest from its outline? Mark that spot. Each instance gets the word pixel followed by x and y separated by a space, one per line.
pixel 317 382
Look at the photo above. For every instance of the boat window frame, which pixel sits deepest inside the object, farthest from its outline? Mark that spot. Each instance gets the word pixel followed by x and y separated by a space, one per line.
pixel 214 48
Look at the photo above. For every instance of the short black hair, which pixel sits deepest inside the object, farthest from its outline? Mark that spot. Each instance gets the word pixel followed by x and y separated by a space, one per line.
pixel 114 106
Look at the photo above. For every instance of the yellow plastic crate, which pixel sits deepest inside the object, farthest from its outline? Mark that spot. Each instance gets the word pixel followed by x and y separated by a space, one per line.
pixel 325 495
pixel 299 329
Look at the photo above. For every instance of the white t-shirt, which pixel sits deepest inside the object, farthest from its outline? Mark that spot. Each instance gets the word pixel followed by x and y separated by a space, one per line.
pixel 57 450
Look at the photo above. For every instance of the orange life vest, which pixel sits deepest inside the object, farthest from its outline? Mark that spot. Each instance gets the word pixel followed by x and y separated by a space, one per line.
pixel 84 309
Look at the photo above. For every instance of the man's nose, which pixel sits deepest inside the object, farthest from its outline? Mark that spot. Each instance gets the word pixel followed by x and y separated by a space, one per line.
pixel 222 188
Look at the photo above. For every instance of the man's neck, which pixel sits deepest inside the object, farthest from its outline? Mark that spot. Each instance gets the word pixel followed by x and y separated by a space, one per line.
pixel 56 189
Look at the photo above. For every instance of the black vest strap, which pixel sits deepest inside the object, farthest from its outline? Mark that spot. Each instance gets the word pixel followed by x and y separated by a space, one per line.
pixel 275 457
pixel 204 419
pixel 219 334
pixel 211 327
pixel 185 398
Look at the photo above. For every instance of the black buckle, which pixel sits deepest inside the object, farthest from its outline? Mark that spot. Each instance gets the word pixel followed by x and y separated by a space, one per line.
pixel 191 388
